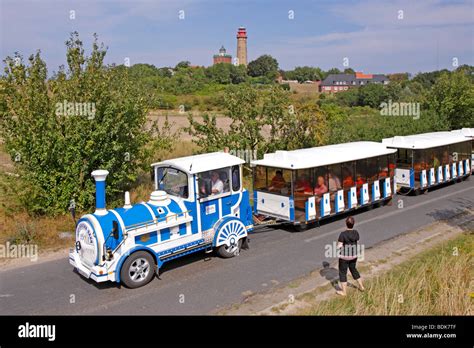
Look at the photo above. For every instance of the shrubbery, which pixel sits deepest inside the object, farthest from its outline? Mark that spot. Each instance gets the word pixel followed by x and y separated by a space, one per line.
pixel 59 129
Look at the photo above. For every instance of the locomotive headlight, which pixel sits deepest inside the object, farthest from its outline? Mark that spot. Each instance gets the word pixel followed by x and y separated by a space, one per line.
pixel 86 243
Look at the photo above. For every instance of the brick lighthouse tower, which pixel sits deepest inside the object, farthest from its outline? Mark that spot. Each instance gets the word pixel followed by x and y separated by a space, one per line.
pixel 242 46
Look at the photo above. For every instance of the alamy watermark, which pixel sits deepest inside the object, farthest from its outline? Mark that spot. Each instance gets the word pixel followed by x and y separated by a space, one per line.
pixel 246 155
pixel 348 250
pixel 400 109
pixel 17 251
pixel 75 109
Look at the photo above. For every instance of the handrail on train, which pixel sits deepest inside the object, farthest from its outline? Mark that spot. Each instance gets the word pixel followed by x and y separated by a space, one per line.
pixel 155 221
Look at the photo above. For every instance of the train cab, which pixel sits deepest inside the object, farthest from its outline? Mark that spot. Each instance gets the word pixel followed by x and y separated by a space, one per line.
pixel 303 186
pixel 198 204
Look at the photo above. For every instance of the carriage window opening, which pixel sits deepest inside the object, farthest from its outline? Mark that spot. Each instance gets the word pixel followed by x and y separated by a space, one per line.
pixel 433 157
pixel 279 181
pixel 214 182
pixel 392 163
pixel 383 166
pixel 446 157
pixel 361 172
pixel 334 177
pixel 173 181
pixel 321 181
pixel 235 178
pixel 404 158
pixel 464 151
pixel 372 169
pixel 420 159
pixel 348 177
pixel 273 180
pixel 303 182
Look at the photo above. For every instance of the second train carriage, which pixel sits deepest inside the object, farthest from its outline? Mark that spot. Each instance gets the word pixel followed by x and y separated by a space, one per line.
pixel 429 159
pixel 303 186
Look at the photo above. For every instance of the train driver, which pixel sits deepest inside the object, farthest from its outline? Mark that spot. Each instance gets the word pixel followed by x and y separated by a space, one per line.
pixel 217 184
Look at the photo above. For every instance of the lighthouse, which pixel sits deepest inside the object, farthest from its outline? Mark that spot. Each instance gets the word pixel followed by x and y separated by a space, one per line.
pixel 242 46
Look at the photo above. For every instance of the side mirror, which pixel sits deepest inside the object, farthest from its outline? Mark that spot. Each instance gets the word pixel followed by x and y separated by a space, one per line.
pixel 115 233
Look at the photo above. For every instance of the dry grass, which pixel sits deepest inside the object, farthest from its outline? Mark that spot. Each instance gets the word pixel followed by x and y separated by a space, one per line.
pixel 17 226
pixel 436 282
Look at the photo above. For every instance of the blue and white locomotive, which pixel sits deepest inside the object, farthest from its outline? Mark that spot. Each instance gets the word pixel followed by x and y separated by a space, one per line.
pixel 198 204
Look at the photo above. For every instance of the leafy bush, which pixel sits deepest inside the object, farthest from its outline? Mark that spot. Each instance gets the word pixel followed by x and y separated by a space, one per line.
pixel 61 129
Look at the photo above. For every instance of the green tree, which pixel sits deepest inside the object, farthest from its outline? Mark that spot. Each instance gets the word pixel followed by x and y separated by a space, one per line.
pixel 183 64
pixel 305 127
pixel 428 79
pixel 265 66
pixel 238 74
pixel 333 71
pixel 253 112
pixel 372 95
pixel 452 95
pixel 86 117
pixel 305 73
pixel 220 73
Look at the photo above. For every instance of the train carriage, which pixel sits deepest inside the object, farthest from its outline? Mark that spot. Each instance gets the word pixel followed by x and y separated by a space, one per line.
pixel 430 159
pixel 304 186
pixel 469 134
pixel 198 204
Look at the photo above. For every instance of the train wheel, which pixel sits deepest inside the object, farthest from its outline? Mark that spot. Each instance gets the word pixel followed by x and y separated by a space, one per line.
pixel 137 270
pixel 231 250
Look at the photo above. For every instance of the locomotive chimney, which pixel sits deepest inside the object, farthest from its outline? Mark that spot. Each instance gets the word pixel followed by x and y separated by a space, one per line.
pixel 99 177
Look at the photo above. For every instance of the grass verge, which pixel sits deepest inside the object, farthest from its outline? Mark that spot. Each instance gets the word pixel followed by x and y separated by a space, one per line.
pixel 436 282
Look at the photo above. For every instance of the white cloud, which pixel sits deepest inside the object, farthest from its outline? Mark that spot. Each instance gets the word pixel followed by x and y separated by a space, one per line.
pixel 428 38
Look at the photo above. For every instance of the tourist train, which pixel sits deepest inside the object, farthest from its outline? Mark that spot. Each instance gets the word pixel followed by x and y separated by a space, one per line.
pixel 199 202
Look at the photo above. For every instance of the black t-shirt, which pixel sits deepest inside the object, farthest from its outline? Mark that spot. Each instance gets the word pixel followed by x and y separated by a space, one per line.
pixel 349 239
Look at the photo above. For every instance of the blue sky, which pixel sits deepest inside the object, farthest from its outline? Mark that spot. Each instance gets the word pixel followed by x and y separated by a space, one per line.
pixel 369 33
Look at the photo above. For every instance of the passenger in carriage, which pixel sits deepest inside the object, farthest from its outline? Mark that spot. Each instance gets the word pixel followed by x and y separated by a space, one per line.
pixel 278 182
pixel 447 159
pixel 348 180
pixel 383 173
pixel 334 182
pixel 391 168
pixel 359 182
pixel 435 160
pixel 303 185
pixel 321 187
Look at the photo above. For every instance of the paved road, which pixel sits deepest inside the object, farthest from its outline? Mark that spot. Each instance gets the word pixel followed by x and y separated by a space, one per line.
pixel 199 285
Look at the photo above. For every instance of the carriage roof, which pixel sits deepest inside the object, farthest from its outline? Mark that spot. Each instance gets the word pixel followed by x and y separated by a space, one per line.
pixel 323 155
pixel 202 163
pixel 467 132
pixel 424 141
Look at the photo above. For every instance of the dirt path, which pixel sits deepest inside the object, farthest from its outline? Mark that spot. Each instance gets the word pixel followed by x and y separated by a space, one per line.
pixel 179 121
